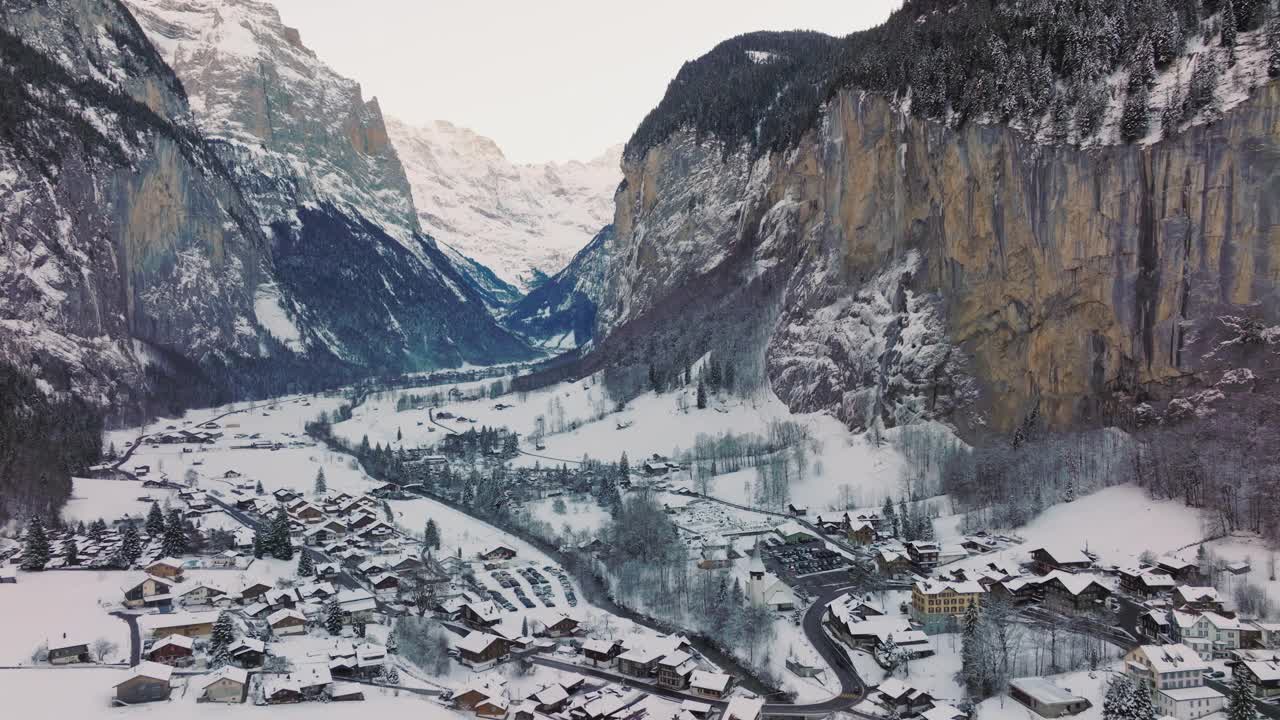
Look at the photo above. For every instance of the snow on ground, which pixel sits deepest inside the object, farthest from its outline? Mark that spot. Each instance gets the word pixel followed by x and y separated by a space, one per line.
pixel 43 606
pixel 1087 684
pixel 86 695
pixel 1117 523
pixel 579 420
pixel 580 513
pixel 93 498
pixel 1250 549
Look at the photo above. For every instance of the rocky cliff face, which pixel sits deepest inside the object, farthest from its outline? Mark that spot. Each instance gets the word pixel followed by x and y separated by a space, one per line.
pixel 516 219
pixel 356 278
pixel 126 242
pixel 902 269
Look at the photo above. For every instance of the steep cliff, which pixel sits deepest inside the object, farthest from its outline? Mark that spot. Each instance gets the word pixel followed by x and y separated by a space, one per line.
pixel 126 241
pixel 902 268
pixel 355 278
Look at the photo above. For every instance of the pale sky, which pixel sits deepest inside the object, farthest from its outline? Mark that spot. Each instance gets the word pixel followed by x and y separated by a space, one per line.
pixel 546 79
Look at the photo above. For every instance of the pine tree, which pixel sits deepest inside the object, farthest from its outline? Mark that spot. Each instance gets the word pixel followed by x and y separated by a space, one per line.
pixel 907 530
pixel 1230 26
pixel 321 486
pixel 399 435
pixel 333 617
pixel 1273 46
pixel 260 543
pixel 130 545
pixel 702 396
pixel 1203 92
pixel 1144 66
pixel 1171 115
pixel 97 529
pixel 70 553
pixel 890 516
pixel 155 522
pixel 278 543
pixel 174 541
pixel 1133 120
pixel 973 666
pixel 1241 704
pixel 357 626
pixel 259 489
pixel 431 535
pixel 306 568
pixel 624 468
pixel 1126 700
pixel 221 640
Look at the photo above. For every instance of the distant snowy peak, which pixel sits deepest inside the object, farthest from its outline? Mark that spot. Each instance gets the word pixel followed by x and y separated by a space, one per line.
pixel 512 218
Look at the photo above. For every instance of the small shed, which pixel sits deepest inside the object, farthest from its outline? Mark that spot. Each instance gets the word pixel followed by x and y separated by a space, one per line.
pixel 148 682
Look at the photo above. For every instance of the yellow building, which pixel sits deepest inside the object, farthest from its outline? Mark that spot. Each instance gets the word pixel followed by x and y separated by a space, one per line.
pixel 938 605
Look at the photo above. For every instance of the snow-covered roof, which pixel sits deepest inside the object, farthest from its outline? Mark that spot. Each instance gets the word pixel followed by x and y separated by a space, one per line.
pixel 477 642
pixel 743 708
pixel 1171 658
pixel 1065 555
pixel 1042 690
pixel 1198 692
pixel 181 641
pixel 1264 670
pixel 1193 593
pixel 936 587
pixel 1075 583
pixel 713 681
pixel 148 669
pixel 284 614
pixel 226 672
pixel 177 619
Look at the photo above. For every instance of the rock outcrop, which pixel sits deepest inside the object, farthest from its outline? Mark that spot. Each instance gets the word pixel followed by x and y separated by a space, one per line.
pixel 905 270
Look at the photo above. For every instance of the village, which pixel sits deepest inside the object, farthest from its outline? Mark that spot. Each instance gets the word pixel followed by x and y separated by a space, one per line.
pixel 232 558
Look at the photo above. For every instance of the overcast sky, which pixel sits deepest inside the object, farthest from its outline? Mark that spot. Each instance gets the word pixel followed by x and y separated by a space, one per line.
pixel 546 79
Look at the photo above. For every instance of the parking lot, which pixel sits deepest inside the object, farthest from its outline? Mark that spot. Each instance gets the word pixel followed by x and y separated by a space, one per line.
pixel 795 561
pixel 528 586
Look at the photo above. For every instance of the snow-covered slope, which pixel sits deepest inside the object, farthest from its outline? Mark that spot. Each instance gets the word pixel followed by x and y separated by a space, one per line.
pixel 511 218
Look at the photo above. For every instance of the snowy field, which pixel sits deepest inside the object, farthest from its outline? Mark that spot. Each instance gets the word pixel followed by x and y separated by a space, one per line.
pixel 41 607
pixel 580 513
pixel 580 420
pixel 93 498
pixel 1117 523
pixel 86 695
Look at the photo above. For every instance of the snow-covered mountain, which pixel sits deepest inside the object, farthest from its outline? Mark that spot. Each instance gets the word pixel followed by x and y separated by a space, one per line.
pixel 514 219
pixel 356 278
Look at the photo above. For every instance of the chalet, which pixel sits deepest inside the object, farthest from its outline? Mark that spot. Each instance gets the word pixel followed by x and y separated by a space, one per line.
pixel 900 699
pixel 639 662
pixel 1183 571
pixel 307 683
pixel 674 670
pixel 1237 568
pixel 1047 559
pixel 480 615
pixel 497 553
pixel 557 625
pixel 199 593
pixel 478 690
pixel 1046 699
pixel 226 559
pixel 861 534
pixel 714 557
pixel 1263 675
pixel 1069 593
pixel 254 592
pixel 924 553
pixel 357 605
pixel 494 707
pixel 480 649
pixel 147 682
pixel 1146 582
pixel 316 591
pixel 248 652
pixel 711 685
pixel 228 684
pixel 797 510
pixel 550 699
pixel 345 692
pixel 1018 590
pixel 744 708
pixel 172 650
pixel 286 598
pixel 148 590
pixel 287 622
pixel 187 624
pixel 602 653
pixel 832 522
pixel 1191 597
pixel 892 563
pixel 793 533
pixel 1155 625
pixel 64 651
pixel 384 584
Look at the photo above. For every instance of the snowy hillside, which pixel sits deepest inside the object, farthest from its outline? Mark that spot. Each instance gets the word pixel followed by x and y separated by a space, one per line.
pixel 511 218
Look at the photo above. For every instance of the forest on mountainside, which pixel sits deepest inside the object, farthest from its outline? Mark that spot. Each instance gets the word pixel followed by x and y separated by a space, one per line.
pixel 1018 61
